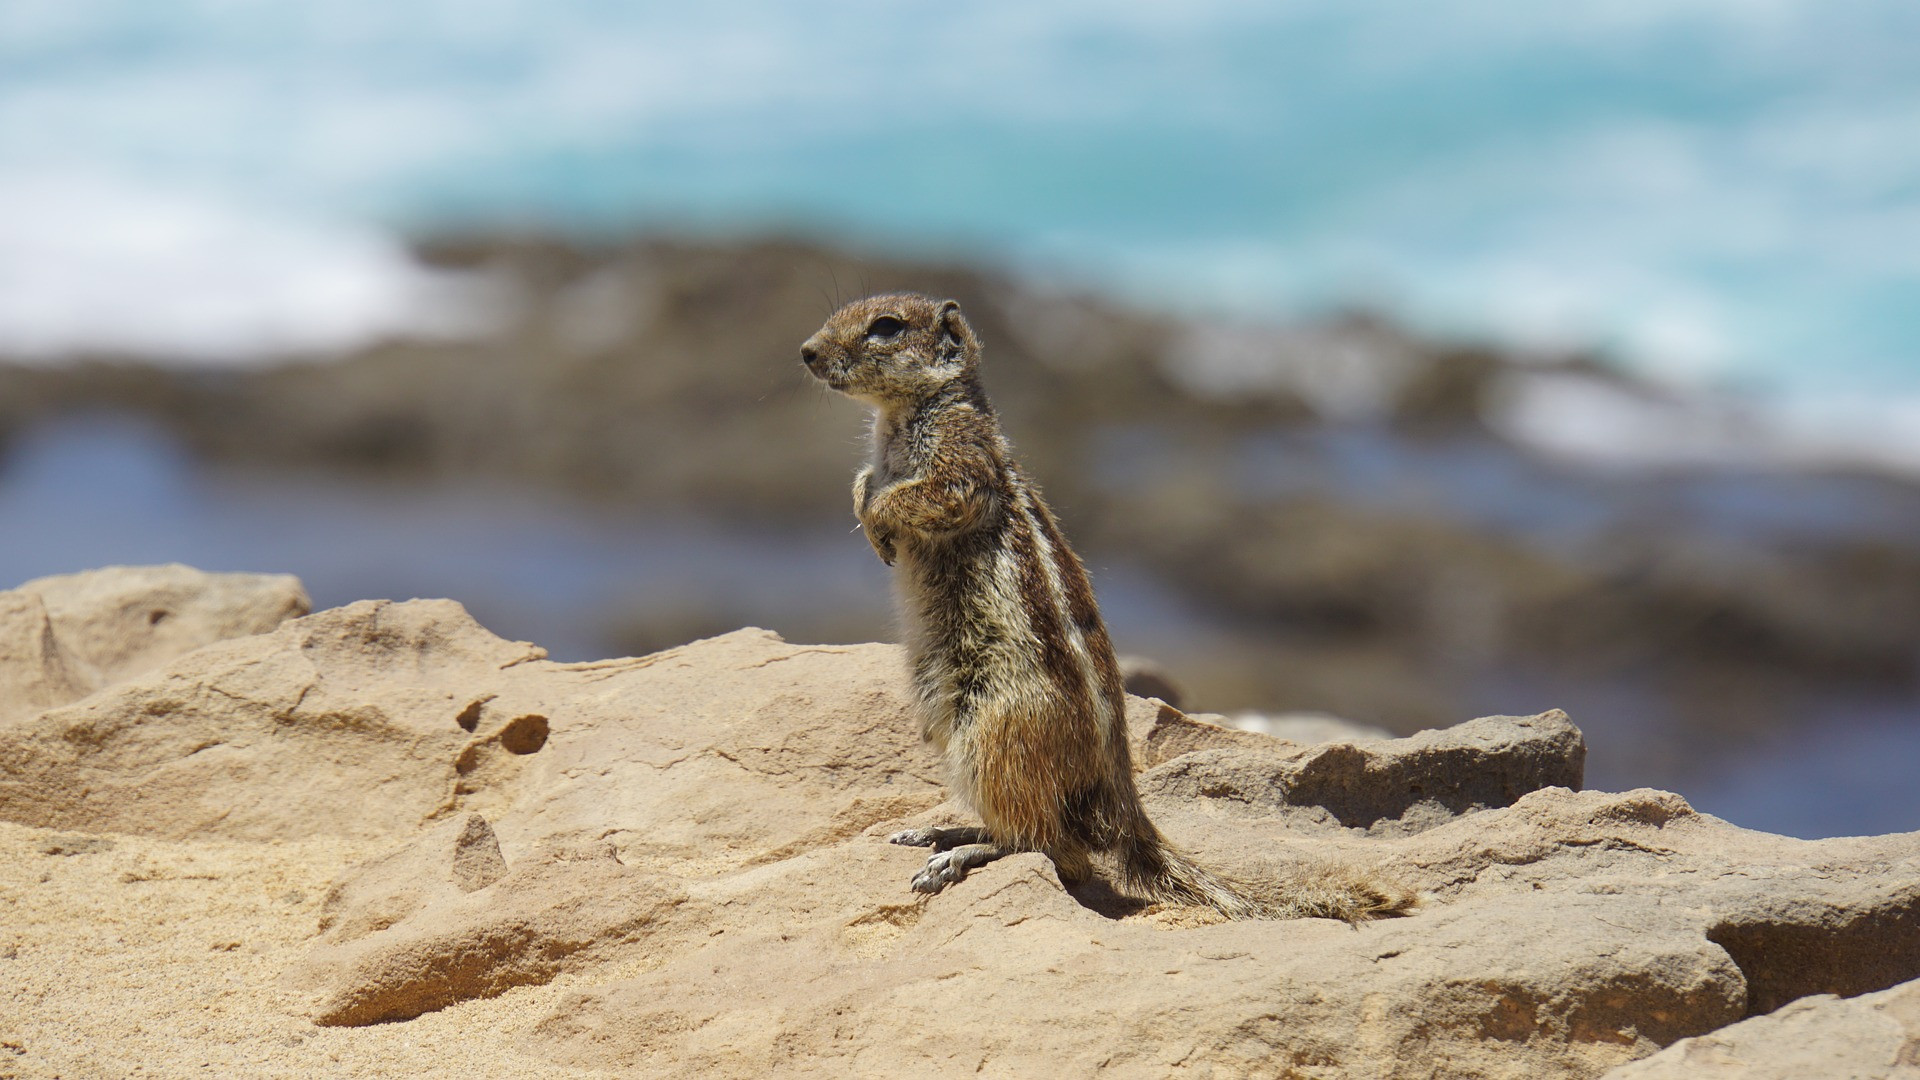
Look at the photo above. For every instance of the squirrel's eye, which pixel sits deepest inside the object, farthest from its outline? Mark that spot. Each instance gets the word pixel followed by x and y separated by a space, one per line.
pixel 885 326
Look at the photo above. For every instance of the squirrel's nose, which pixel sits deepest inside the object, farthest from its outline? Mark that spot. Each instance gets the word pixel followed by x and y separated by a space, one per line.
pixel 808 355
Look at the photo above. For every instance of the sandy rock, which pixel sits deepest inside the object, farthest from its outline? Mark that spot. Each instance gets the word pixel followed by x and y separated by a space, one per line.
pixel 1009 978
pixel 550 912
pixel 477 862
pixel 123 621
pixel 1561 935
pixel 63 637
pixel 35 673
pixel 682 859
pixel 353 721
pixel 387 889
pixel 666 776
pixel 1871 1037
pixel 1158 732
pixel 1427 777
pixel 104 626
pixel 1817 931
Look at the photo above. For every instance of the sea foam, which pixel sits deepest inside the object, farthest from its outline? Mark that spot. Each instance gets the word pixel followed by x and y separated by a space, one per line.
pixel 91 267
pixel 1613 423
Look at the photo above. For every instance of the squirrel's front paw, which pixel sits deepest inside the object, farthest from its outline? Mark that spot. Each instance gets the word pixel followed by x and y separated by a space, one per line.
pixel 882 542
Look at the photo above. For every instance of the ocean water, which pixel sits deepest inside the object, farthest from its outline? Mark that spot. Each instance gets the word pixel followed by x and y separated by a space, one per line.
pixel 1716 191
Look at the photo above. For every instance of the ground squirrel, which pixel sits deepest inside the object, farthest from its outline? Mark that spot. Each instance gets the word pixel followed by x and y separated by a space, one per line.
pixel 1015 678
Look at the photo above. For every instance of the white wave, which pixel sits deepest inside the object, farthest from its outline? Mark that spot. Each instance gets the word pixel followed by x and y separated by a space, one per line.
pixel 1344 371
pixel 96 267
pixel 1612 423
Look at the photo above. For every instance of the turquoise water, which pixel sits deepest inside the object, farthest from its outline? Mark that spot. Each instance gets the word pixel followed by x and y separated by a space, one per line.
pixel 1715 190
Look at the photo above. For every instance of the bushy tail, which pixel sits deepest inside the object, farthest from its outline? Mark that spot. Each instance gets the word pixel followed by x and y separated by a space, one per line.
pixel 1313 891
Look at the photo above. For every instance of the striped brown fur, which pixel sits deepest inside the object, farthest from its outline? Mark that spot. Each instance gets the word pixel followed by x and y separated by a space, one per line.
pixel 1014 674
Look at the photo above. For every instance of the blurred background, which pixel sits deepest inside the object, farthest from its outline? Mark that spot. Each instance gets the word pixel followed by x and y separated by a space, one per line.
pixel 1402 362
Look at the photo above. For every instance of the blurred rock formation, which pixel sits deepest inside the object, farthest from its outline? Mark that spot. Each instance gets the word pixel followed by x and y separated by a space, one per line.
pixel 1331 498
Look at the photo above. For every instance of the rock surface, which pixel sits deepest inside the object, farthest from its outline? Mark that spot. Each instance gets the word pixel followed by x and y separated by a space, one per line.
pixel 361 721
pixel 63 637
pixel 1871 1037
pixel 676 865
pixel 1484 763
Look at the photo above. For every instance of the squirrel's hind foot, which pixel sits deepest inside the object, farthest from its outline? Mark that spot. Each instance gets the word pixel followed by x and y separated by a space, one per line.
pixel 946 867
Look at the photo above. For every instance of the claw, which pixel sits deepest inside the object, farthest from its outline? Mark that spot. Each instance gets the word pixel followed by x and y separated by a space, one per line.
pixel 941 870
pixel 913 838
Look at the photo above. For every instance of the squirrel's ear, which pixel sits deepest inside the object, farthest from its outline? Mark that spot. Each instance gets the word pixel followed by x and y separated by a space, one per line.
pixel 953 327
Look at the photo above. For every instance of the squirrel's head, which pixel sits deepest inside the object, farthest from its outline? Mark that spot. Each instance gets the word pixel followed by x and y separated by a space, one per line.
pixel 894 349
